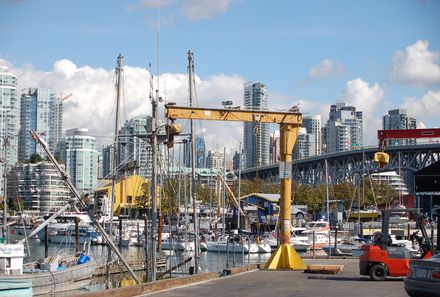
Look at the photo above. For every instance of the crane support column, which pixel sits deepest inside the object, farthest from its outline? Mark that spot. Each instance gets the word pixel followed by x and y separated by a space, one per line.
pixel 285 257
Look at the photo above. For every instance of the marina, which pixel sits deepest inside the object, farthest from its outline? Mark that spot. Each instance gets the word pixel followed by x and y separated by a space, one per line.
pixel 268 150
pixel 210 261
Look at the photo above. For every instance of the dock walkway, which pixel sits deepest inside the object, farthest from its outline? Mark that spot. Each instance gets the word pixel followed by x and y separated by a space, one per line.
pixel 258 283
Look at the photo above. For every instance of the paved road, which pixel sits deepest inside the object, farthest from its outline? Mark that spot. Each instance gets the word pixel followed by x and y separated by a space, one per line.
pixel 293 283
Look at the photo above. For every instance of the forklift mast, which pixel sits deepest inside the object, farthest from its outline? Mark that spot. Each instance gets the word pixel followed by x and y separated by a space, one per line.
pixel 420 224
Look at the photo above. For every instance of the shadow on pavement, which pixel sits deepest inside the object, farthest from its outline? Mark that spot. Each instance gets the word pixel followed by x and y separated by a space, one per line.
pixel 345 278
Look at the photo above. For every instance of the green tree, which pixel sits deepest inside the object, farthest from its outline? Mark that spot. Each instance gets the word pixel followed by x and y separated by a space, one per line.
pixel 35 158
pixel 15 205
pixel 142 200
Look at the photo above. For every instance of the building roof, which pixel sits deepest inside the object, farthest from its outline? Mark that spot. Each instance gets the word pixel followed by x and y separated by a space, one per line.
pixel 274 198
pixel 105 184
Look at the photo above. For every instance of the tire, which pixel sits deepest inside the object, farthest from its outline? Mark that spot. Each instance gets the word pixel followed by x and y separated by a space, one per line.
pixel 378 272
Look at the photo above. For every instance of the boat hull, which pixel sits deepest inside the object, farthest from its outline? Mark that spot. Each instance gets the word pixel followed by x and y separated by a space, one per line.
pixel 71 278
pixel 178 245
pixel 264 248
pixel 232 248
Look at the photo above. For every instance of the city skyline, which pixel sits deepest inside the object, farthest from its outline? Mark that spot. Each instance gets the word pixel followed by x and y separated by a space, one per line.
pixel 373 56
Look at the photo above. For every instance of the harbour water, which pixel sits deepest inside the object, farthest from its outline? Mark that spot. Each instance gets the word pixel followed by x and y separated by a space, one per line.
pixel 208 261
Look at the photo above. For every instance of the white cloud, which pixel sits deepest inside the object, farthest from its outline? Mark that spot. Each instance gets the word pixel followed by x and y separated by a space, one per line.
pixel 416 65
pixel 327 68
pixel 92 105
pixel 427 106
pixel 365 98
pixel 201 9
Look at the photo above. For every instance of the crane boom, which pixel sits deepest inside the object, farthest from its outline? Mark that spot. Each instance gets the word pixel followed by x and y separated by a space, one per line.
pixel 217 114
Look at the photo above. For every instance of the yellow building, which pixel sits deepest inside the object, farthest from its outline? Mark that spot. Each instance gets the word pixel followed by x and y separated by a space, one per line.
pixel 127 192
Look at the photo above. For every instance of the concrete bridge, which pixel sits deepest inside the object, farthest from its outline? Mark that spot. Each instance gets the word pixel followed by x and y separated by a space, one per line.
pixel 350 165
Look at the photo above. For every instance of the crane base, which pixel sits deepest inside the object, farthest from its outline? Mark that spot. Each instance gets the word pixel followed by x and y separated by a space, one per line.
pixel 285 257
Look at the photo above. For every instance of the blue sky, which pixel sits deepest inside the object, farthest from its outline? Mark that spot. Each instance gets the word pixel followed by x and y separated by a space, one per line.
pixel 313 52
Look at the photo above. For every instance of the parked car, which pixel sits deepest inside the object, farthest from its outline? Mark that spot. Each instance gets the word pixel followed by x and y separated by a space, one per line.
pixel 424 277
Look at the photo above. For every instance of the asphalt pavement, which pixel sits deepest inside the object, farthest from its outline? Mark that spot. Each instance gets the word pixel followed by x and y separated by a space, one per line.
pixel 266 283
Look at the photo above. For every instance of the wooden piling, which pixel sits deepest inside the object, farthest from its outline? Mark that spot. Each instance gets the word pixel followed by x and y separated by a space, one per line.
pixel 46 242
pixel 77 234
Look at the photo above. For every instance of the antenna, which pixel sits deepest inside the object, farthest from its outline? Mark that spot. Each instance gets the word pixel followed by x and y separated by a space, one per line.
pixel 158 51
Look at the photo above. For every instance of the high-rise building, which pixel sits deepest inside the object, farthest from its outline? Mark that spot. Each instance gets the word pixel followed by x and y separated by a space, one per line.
pixel 81 158
pixel 39 185
pixel 100 166
pixel 8 121
pixel 343 130
pixel 304 143
pixel 214 159
pixel 107 159
pixel 200 148
pixel 56 124
pixel 397 119
pixel 256 135
pixel 236 161
pixel 40 112
pixel 274 151
pixel 200 152
pixel 135 153
pixel 313 128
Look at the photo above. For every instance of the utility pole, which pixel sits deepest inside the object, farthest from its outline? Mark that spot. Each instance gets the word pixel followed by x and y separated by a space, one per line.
pixel 118 73
pixel 193 164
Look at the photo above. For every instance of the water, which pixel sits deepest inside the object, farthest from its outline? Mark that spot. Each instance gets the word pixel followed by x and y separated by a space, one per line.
pixel 208 262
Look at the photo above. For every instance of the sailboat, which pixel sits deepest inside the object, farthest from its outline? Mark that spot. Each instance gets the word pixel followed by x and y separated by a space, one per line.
pixel 232 245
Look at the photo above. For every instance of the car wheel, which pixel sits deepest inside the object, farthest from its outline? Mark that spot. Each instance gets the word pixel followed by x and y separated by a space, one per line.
pixel 300 216
pixel 378 272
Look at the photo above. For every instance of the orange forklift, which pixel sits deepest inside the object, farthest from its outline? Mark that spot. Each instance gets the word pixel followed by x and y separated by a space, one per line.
pixel 382 258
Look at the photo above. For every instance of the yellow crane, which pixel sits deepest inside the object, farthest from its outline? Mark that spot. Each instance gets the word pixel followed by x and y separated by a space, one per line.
pixel 285 257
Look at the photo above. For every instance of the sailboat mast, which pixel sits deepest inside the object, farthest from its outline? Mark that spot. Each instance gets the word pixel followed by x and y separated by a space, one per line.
pixel 118 72
pixel 327 204
pixel 5 190
pixel 193 164
pixel 154 157
pixel 239 186
pixel 224 194
pixel 326 191
pixel 154 130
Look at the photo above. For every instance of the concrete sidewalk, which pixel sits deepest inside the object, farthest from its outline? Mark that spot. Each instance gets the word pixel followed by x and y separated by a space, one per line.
pixel 292 283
